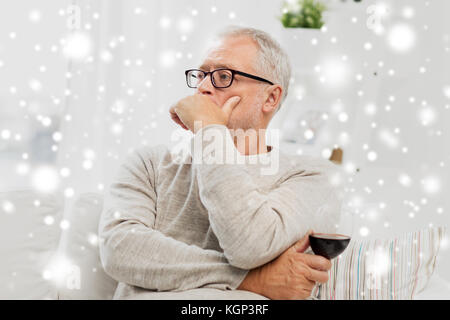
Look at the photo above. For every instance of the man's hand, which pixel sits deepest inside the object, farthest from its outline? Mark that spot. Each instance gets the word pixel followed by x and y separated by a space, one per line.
pixel 291 276
pixel 201 108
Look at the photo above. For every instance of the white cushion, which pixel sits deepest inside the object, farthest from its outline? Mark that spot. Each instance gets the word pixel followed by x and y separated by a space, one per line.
pixel 84 276
pixel 29 236
pixel 395 268
pixel 436 289
pixel 199 294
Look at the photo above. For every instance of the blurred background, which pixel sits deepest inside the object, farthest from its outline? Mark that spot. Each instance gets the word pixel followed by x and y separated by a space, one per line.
pixel 82 83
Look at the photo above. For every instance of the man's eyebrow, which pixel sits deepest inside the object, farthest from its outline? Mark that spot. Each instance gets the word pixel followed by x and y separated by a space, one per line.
pixel 216 66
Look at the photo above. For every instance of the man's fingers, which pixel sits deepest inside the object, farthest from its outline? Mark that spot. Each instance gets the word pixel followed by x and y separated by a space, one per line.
pixel 230 104
pixel 318 262
pixel 311 284
pixel 303 244
pixel 176 118
pixel 317 276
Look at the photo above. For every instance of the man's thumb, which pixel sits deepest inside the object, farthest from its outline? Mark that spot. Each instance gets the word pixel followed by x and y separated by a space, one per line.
pixel 303 244
pixel 230 104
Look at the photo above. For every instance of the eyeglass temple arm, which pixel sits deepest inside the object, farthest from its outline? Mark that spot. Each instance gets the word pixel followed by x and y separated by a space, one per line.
pixel 234 71
pixel 252 76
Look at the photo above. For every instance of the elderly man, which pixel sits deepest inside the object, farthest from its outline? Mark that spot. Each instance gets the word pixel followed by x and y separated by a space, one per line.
pixel 208 229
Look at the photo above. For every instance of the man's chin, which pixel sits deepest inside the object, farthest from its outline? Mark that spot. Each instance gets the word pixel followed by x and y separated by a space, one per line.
pixel 236 126
pixel 231 125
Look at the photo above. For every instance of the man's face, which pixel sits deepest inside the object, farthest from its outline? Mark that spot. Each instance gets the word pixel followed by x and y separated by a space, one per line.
pixel 238 53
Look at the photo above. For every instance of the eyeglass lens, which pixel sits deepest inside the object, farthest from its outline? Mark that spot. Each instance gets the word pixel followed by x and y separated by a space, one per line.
pixel 220 78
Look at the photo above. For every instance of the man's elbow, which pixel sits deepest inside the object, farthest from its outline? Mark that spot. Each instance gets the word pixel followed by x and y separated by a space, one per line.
pixel 111 252
pixel 243 262
pixel 109 261
pixel 257 249
pixel 247 259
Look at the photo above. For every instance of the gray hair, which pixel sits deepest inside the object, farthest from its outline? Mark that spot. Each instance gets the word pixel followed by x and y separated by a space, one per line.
pixel 273 61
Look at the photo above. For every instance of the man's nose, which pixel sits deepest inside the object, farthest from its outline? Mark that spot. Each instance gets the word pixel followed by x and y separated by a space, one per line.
pixel 206 87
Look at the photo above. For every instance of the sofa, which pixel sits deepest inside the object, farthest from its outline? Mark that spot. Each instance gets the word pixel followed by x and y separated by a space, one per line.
pixel 49 250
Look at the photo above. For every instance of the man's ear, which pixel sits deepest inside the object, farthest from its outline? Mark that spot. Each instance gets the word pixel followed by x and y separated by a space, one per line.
pixel 273 96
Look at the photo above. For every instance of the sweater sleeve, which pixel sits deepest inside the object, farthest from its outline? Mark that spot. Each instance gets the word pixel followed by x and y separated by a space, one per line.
pixel 133 252
pixel 254 226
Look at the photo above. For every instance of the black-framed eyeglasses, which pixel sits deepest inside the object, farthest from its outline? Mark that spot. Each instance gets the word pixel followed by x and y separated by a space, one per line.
pixel 220 78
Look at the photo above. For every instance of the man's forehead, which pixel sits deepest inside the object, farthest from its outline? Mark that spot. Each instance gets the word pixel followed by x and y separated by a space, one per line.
pixel 232 53
pixel 208 65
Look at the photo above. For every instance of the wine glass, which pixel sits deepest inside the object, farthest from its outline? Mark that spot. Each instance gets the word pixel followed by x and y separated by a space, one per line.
pixel 331 245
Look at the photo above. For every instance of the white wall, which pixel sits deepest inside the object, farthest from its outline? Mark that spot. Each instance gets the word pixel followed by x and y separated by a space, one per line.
pixel 120 96
pixel 32 83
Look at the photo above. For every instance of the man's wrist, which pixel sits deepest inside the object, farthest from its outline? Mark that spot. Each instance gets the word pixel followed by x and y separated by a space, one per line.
pixel 213 144
pixel 252 282
pixel 201 124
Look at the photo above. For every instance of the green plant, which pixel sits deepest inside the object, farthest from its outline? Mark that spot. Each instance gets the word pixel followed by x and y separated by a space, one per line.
pixel 303 14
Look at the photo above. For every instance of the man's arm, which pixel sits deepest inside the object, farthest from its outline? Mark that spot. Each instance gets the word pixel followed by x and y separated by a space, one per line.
pixel 291 276
pixel 254 227
pixel 133 252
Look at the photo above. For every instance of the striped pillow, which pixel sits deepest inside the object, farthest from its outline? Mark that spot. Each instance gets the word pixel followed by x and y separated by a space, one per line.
pixel 384 269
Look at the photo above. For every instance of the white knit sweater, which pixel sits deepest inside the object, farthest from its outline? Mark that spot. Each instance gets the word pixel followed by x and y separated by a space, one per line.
pixel 171 225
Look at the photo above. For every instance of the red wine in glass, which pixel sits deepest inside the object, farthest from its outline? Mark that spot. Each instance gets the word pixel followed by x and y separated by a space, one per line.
pixel 328 245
